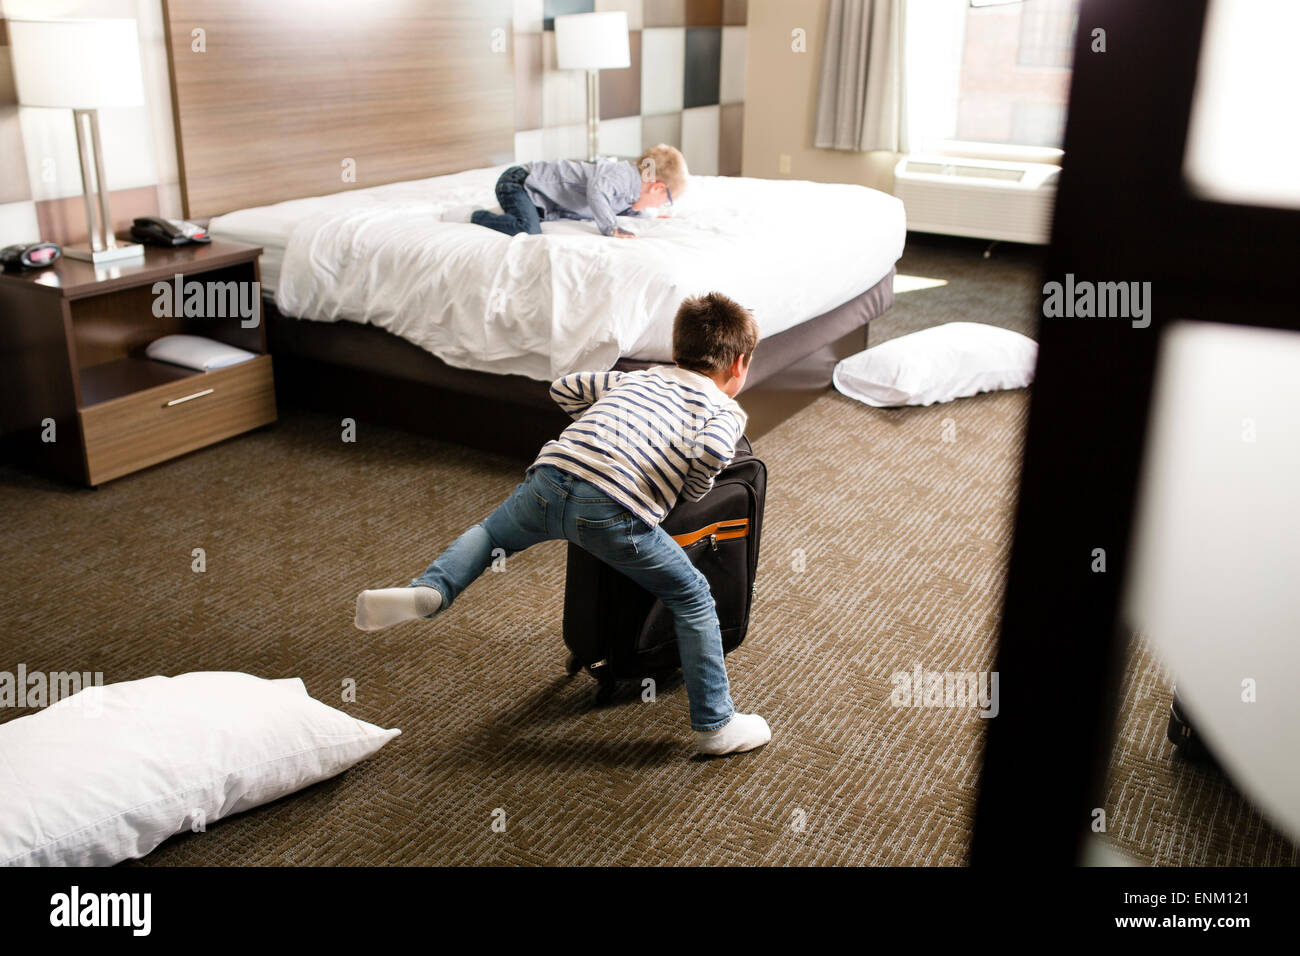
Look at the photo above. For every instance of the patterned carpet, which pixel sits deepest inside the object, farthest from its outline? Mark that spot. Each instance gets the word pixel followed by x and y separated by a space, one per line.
pixel 884 546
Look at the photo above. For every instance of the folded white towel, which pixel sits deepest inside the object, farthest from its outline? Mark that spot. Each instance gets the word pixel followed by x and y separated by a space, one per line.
pixel 196 352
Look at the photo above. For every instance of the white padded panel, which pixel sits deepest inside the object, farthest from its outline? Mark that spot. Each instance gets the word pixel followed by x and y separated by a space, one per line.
pixel 701 134
pixel 528 16
pixel 663 69
pixel 731 83
pixel 18 223
pixel 564 142
pixel 529 145
pixel 633 8
pixel 621 137
pixel 564 92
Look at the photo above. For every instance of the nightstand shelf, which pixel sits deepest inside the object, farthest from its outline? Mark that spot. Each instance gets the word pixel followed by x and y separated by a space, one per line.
pixel 73 366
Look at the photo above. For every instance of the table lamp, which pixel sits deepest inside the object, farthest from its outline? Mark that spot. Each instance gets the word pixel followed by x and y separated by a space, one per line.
pixel 592 42
pixel 82 65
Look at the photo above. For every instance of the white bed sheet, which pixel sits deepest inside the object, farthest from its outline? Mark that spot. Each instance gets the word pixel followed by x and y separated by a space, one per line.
pixel 570 299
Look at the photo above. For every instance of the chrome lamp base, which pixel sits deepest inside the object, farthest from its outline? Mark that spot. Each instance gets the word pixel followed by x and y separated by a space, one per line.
pixel 102 246
pixel 82 251
pixel 593 115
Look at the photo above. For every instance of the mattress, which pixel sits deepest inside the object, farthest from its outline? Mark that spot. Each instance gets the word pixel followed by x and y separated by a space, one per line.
pixel 570 299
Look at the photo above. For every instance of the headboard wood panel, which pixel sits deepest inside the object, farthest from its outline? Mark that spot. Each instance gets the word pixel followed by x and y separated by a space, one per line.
pixel 287 90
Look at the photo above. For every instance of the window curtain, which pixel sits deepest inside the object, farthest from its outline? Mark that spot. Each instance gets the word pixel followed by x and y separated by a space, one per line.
pixel 860 97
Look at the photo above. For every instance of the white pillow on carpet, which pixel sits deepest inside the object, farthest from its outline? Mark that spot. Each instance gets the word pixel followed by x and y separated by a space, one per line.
pixel 937 365
pixel 107 774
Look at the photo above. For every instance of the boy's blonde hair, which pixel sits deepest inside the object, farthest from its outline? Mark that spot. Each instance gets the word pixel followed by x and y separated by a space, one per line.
pixel 711 331
pixel 665 164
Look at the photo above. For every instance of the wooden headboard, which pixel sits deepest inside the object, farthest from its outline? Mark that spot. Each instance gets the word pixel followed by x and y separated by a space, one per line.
pixel 286 95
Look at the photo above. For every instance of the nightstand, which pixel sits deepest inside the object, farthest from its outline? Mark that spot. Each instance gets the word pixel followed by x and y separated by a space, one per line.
pixel 78 397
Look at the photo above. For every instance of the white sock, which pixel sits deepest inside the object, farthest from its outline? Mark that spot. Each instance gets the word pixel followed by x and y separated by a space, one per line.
pixel 388 606
pixel 743 732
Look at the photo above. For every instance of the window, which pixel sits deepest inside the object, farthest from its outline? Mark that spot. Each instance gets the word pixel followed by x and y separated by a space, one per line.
pixel 1015 71
pixel 1047 33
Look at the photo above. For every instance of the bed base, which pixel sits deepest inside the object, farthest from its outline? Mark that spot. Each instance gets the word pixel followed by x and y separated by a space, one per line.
pixel 367 374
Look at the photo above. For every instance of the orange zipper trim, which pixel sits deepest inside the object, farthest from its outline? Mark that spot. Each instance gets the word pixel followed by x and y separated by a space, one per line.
pixel 735 528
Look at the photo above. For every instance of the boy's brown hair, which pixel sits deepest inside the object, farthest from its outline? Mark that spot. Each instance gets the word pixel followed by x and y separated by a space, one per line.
pixel 665 164
pixel 711 331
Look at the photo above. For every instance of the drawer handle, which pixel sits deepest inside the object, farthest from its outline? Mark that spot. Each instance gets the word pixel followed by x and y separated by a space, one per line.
pixel 189 398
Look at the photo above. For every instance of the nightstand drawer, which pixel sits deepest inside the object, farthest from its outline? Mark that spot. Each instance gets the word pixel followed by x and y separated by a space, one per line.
pixel 149 426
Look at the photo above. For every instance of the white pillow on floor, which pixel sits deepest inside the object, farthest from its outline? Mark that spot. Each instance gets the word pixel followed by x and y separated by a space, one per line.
pixel 937 365
pixel 107 774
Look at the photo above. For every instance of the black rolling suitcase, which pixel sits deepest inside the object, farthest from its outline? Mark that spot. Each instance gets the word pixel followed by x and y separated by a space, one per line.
pixel 618 631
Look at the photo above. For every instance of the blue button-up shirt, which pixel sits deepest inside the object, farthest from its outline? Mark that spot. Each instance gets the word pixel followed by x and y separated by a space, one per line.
pixel 570 189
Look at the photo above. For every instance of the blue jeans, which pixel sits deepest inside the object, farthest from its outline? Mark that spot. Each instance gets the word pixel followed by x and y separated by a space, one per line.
pixel 520 215
pixel 550 504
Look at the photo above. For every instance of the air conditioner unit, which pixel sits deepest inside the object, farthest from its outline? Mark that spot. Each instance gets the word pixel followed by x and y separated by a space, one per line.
pixel 976 196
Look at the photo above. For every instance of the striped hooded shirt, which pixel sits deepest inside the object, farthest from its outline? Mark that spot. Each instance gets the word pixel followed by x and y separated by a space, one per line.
pixel 645 437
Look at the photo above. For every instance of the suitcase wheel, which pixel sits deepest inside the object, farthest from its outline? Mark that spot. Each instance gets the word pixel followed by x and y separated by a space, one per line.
pixel 605 689
pixel 572 665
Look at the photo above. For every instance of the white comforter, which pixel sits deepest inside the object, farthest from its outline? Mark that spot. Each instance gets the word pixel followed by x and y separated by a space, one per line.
pixel 571 299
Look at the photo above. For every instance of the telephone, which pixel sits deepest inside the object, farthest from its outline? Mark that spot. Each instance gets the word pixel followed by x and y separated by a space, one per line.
pixel 168 232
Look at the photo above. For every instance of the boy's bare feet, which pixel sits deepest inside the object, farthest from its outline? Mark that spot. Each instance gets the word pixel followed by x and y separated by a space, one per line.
pixel 385 607
pixel 743 732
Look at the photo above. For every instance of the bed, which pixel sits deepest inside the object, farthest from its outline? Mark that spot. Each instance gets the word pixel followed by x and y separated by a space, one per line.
pixel 811 259
pixel 573 299
pixel 378 308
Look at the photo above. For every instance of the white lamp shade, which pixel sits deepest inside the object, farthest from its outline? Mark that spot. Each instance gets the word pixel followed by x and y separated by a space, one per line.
pixel 592 41
pixel 76 64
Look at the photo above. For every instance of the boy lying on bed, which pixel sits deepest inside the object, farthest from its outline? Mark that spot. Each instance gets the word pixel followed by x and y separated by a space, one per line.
pixel 569 189
pixel 639 441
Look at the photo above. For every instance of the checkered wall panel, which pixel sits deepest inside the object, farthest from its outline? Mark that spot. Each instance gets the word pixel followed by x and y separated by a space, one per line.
pixel 686 84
